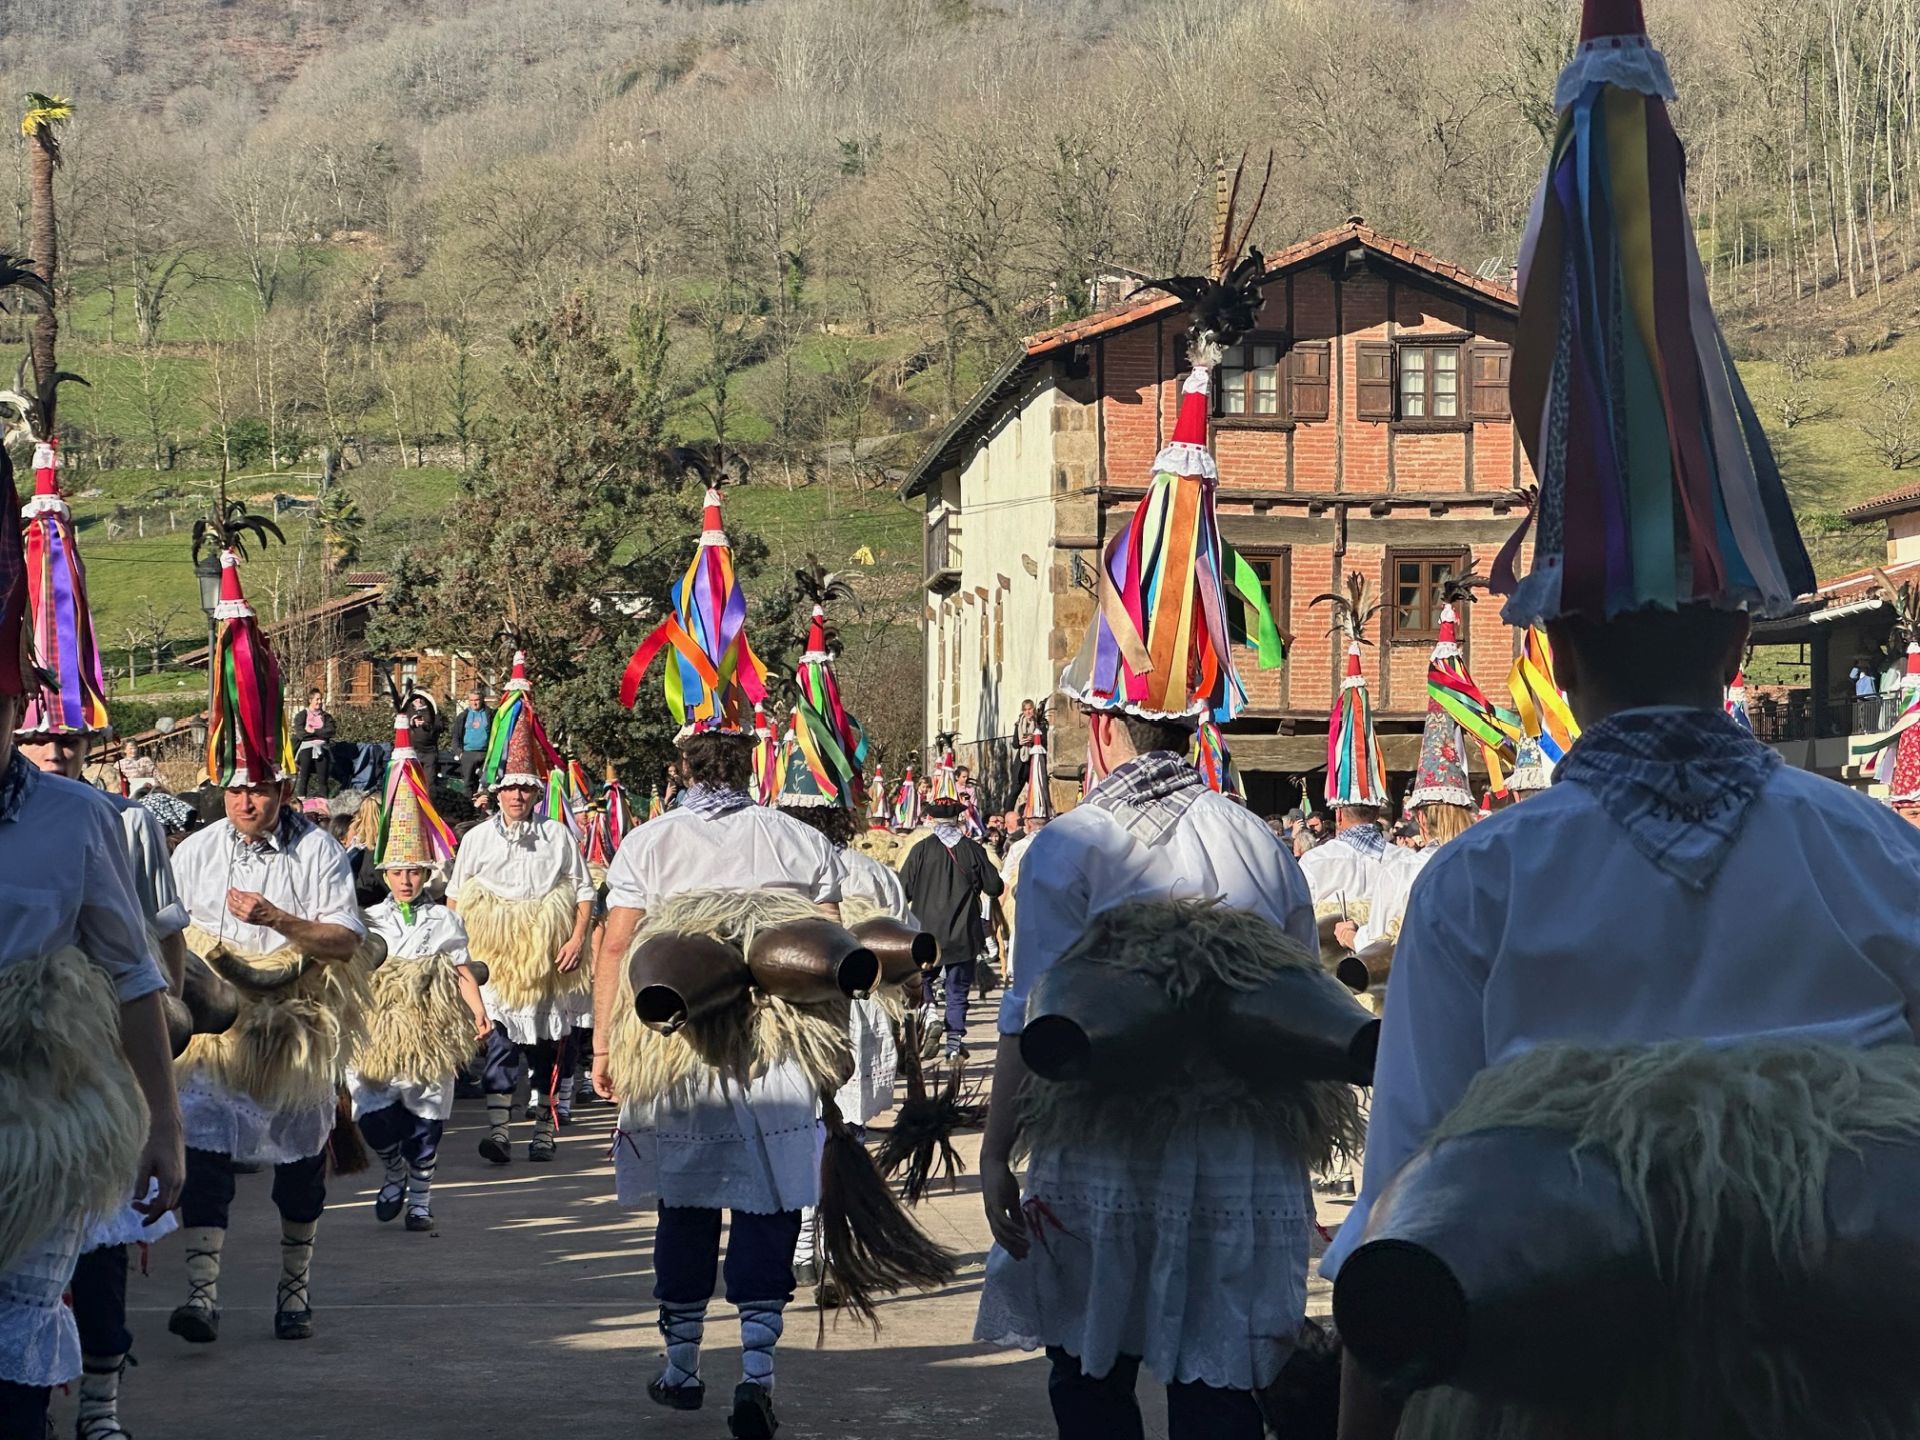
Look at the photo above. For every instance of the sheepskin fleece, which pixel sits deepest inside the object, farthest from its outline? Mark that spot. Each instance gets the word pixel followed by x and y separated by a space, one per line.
pixel 1725 1153
pixel 1191 948
pixel 744 1040
pixel 72 1120
pixel 518 940
pixel 286 1047
pixel 418 1027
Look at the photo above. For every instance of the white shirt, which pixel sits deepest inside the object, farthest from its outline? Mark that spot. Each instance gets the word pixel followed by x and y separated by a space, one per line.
pixel 434 930
pixel 1545 923
pixel 1341 875
pixel 1387 908
pixel 310 879
pixel 751 849
pixel 65 880
pixel 865 878
pixel 1085 862
pixel 1010 866
pixel 152 867
pixel 521 862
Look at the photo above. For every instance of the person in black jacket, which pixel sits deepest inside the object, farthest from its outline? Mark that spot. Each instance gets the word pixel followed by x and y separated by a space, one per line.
pixel 312 733
pixel 946 875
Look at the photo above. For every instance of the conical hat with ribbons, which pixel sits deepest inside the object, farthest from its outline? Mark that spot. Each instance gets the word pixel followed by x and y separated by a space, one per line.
pixel 413 836
pixel 247 740
pixel 713 679
pixel 75 702
pixel 1658 487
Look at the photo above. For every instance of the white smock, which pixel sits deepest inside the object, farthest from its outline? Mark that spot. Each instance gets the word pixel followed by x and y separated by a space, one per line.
pixel 713 1144
pixel 524 862
pixel 876 1062
pixel 1191 1253
pixel 301 869
pixel 433 930
pixel 1546 923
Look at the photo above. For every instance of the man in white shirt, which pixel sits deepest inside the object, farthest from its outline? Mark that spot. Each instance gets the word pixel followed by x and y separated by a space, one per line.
pixel 713 1147
pixel 266 884
pixel 1149 829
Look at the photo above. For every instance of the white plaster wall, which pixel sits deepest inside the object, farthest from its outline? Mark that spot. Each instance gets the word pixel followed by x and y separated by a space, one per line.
pixel 998 642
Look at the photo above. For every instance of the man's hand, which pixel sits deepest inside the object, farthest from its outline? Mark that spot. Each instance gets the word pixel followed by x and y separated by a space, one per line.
pixel 568 960
pixel 603 1078
pixel 163 1159
pixel 482 1029
pixel 1347 933
pixel 1001 1194
pixel 254 908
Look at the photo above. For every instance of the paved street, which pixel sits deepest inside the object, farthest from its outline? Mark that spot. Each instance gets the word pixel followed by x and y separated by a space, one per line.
pixel 529 1315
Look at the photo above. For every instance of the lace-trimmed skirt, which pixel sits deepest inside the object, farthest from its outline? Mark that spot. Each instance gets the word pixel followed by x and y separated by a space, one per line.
pixel 718 1147
pixel 229 1123
pixel 39 1343
pixel 1193 1258
pixel 876 1065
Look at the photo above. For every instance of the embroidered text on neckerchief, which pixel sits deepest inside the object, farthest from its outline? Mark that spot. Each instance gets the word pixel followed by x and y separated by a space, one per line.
pixel 712 802
pixel 1367 839
pixel 16 783
pixel 1149 793
pixel 1679 782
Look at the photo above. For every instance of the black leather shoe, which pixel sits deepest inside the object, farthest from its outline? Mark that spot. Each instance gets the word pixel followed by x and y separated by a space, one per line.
pixel 540 1148
pixel 496 1149
pixel 677 1397
pixel 752 1417
pixel 195 1324
pixel 385 1209
pixel 418 1220
pixel 293 1324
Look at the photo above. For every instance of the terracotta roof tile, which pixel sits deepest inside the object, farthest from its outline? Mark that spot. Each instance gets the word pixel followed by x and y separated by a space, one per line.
pixel 1142 307
pixel 1890 503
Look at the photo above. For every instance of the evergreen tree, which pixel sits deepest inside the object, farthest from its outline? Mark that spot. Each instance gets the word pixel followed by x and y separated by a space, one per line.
pixel 568 535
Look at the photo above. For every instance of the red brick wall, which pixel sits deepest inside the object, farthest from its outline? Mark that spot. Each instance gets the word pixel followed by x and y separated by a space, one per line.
pixel 1140 378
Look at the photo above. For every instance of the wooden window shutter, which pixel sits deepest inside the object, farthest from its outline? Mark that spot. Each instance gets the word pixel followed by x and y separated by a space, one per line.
pixel 1491 366
pixel 1373 380
pixel 1309 380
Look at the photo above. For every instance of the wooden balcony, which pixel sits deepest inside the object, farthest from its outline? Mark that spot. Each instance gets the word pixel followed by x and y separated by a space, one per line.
pixel 943 553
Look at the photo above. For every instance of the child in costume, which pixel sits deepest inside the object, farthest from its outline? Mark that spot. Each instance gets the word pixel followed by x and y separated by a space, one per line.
pixel 521 886
pixel 88 1115
pixel 1677 882
pixel 427 1014
pixel 271 898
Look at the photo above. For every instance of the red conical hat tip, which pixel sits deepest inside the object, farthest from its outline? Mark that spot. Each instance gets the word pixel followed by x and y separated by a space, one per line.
pixel 402 733
pixel 519 664
pixel 1353 659
pixel 1913 658
pixel 1600 19
pixel 817 632
pixel 1449 626
pixel 45 469
pixel 711 513
pixel 230 577
pixel 1190 428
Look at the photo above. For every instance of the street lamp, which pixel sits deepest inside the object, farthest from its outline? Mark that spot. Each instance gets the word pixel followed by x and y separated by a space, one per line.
pixel 207 570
